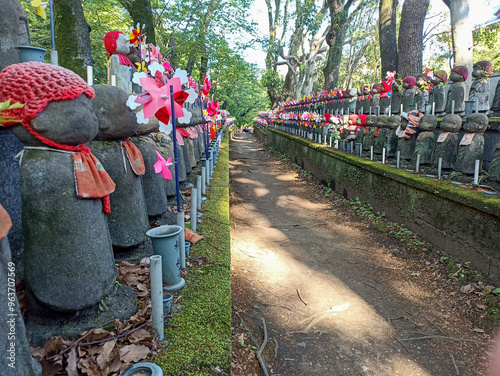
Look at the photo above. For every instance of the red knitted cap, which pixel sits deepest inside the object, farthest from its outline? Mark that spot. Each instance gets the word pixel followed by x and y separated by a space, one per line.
pixel 485 65
pixel 410 80
pixel 443 76
pixel 462 71
pixel 363 117
pixel 110 41
pixel 37 84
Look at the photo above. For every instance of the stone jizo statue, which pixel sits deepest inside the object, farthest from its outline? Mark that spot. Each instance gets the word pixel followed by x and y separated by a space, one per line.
pixel 425 144
pixel 408 96
pixel 118 47
pixel 439 91
pixel 471 147
pixel 480 89
pixel 457 91
pixel 447 142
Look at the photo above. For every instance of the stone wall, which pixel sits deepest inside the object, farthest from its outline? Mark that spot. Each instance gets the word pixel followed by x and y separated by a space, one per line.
pixel 460 222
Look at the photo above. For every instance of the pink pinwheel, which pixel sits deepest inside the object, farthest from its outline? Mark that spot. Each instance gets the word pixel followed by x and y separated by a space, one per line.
pixel 155 53
pixel 192 83
pixel 160 97
pixel 213 109
pixel 206 86
pixel 162 166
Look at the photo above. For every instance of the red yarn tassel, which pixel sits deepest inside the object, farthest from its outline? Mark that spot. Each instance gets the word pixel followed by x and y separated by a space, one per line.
pixel 106 205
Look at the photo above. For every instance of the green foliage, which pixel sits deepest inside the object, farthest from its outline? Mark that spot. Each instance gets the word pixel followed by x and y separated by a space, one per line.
pixel 487 44
pixel 5 106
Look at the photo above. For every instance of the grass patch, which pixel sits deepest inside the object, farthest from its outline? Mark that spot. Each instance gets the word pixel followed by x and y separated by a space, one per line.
pixel 201 345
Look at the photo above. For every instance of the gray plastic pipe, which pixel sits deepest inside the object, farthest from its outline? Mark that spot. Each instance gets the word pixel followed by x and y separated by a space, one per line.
pixel 198 190
pixel 182 240
pixel 156 295
pixel 204 180
pixel 194 199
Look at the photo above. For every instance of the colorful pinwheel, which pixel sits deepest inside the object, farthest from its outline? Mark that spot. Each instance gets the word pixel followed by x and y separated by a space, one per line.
pixel 40 9
pixel 136 34
pixel 162 166
pixel 206 85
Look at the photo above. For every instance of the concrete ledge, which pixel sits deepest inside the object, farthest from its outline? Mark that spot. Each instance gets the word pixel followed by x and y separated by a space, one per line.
pixel 461 222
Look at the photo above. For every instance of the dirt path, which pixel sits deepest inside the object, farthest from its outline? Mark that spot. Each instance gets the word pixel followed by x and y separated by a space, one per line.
pixel 296 255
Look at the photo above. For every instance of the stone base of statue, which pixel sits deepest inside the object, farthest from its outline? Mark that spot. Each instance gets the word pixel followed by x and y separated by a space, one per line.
pixel 121 304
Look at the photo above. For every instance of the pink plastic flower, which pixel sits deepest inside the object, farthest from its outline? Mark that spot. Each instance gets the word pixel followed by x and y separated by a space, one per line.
pixel 162 166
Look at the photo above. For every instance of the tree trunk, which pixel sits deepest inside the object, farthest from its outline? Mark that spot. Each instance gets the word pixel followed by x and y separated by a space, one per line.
pixel 72 37
pixel 387 36
pixel 141 13
pixel 410 44
pixel 461 33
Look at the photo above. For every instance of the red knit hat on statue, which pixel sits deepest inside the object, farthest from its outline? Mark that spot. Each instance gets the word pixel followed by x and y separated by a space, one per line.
pixel 36 85
pixel 462 71
pixel 410 80
pixel 110 41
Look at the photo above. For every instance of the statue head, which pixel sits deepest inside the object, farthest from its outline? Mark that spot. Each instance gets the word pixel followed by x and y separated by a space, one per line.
pixel 366 90
pixel 423 80
pixel 482 69
pixel 116 42
pixel 361 120
pixel 393 122
pixel 459 73
pixel 57 109
pixel 476 123
pixel 427 123
pixel 409 82
pixel 371 121
pixel 377 89
pixel 451 123
pixel 440 76
pixel 382 121
pixel 116 120
pixel 353 92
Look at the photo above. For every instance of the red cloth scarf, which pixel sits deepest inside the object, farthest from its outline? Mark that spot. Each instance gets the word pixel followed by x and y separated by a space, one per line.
pixel 376 132
pixel 134 157
pixel 124 60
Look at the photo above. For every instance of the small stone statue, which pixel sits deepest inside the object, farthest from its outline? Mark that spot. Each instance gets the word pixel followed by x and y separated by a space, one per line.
pixel 494 171
pixel 408 135
pixel 118 47
pixel 391 139
pixel 375 98
pixel 422 95
pixel 353 99
pixel 371 124
pixel 69 263
pixel 480 89
pixel 128 221
pixel 385 98
pixel 457 91
pixel 395 99
pixel 366 100
pixel 439 91
pixel 471 146
pixel 408 96
pixel 359 102
pixel 447 142
pixel 495 105
pixel 379 134
pixel 425 144
pixel 361 122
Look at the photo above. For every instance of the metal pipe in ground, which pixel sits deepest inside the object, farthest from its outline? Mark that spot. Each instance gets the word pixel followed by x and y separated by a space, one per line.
pixel 198 190
pixel 182 239
pixel 203 180
pixel 194 199
pixel 157 295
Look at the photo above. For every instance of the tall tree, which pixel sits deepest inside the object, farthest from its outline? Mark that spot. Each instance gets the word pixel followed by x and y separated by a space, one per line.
pixel 141 13
pixel 461 33
pixel 410 43
pixel 387 36
pixel 72 36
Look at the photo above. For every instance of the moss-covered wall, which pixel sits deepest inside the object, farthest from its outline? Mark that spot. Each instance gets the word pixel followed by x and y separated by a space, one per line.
pixel 464 223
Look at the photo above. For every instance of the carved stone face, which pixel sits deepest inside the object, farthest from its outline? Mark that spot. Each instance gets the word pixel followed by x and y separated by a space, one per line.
pixel 455 77
pixel 394 122
pixel 427 123
pixel 476 123
pixel 116 120
pixel 382 121
pixel 371 120
pixel 71 122
pixel 122 45
pixel 404 123
pixel 451 123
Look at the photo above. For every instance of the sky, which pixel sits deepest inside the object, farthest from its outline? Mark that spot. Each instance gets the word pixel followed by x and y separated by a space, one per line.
pixel 481 11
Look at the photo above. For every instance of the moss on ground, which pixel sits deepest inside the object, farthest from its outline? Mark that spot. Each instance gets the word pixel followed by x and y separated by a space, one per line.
pixel 201 344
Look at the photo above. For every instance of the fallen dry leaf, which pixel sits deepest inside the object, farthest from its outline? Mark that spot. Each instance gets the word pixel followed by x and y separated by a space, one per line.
pixel 134 353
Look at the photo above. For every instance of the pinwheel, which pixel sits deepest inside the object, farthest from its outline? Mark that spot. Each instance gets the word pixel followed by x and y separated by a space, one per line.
pixel 206 86
pixel 40 9
pixel 213 109
pixel 162 166
pixel 136 34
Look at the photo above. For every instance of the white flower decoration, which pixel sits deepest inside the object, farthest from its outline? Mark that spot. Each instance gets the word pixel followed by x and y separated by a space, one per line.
pixel 192 95
pixel 186 118
pixel 182 74
pixel 138 76
pixel 153 68
pixel 166 128
pixel 140 117
pixel 131 102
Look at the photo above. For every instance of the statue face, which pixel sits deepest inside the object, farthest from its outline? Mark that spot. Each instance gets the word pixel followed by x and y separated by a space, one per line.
pixel 394 122
pixel 122 45
pixel 427 123
pixel 476 123
pixel 477 71
pixel 405 85
pixel 436 80
pixel 455 77
pixel 451 123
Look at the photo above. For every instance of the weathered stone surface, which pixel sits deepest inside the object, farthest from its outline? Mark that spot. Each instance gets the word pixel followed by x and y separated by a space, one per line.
pixel 408 98
pixel 116 120
pixel 152 183
pixel 439 99
pixel 14 345
pixel 14 29
pixel 424 147
pixel 190 149
pixel 128 221
pixel 480 92
pixel 494 170
pixel 10 195
pixel 52 123
pixel 447 150
pixel 457 94
pixel 69 261
pixel 153 125
pixel 186 157
pixel 366 106
pixel 391 139
pixel 395 101
pixel 379 141
pixel 123 73
pixel 468 154
pixel 406 147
